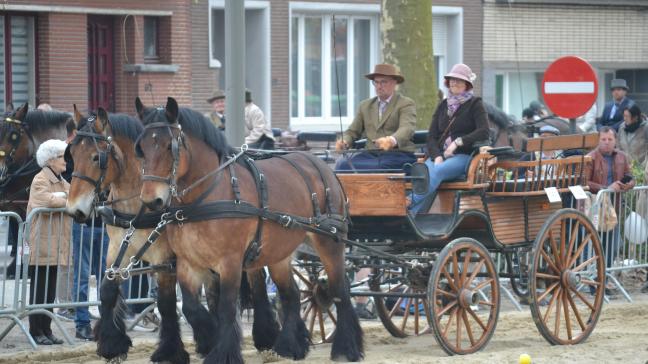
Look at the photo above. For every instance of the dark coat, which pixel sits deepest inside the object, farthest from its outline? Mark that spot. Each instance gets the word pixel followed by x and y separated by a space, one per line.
pixel 471 125
pixel 617 119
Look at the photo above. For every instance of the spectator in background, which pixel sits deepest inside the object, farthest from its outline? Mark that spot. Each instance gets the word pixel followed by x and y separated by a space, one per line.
pixel 44 107
pixel 610 169
pixel 633 134
pixel 587 122
pixel 612 115
pixel 48 245
pixel 258 134
pixel 528 116
pixel 217 115
pixel 538 109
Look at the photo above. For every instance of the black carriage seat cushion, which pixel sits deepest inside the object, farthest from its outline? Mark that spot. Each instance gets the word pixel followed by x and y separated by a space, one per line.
pixel 276 132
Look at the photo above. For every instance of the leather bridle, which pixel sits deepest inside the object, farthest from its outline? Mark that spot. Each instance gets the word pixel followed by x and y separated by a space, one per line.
pixel 176 141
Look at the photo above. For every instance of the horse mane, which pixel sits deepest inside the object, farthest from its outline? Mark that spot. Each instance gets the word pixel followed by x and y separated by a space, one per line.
pixel 40 121
pixel 196 125
pixel 125 126
pixel 499 117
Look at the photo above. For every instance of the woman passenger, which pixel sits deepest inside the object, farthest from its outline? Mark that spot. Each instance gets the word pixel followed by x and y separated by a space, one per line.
pixel 458 122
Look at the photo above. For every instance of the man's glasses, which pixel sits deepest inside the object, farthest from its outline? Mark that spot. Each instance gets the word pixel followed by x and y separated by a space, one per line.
pixel 381 82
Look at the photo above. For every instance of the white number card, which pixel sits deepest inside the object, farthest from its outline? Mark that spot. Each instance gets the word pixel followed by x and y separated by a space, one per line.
pixel 578 192
pixel 552 193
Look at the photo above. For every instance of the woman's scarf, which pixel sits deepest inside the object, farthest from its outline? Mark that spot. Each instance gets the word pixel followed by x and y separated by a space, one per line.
pixel 634 126
pixel 454 101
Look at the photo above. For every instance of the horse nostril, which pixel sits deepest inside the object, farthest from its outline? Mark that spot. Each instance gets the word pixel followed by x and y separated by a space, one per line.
pixel 158 203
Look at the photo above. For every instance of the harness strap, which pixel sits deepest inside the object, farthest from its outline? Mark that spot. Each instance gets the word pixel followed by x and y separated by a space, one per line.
pixel 313 195
pixel 235 184
pixel 140 221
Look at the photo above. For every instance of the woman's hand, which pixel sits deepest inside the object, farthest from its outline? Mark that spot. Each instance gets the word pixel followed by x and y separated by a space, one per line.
pixel 449 152
pixel 438 160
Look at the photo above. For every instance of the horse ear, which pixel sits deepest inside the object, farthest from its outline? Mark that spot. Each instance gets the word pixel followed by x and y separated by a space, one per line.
pixel 139 106
pixel 76 116
pixel 172 110
pixel 21 112
pixel 102 117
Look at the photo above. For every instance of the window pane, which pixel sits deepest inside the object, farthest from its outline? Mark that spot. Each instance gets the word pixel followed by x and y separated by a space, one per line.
pixel 362 57
pixel 2 66
pixel 150 37
pixel 294 64
pixel 339 67
pixel 523 88
pixel 21 49
pixel 313 66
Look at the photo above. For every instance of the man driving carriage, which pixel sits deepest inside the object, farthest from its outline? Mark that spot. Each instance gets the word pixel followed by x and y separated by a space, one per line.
pixel 388 121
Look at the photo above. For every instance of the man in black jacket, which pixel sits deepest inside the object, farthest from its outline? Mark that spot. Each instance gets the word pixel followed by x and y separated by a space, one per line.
pixel 613 112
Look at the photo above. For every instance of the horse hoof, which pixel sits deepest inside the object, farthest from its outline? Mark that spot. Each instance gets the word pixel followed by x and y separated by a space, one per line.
pixel 225 358
pixel 179 357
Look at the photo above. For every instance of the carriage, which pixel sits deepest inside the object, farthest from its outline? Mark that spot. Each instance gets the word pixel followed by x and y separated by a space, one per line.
pixel 435 273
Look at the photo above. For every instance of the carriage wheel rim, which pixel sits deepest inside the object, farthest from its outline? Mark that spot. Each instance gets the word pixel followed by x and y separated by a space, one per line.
pixel 563 314
pixel 462 317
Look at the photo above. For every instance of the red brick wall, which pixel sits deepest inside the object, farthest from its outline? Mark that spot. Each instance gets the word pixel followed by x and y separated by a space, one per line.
pixel 204 80
pixel 63 64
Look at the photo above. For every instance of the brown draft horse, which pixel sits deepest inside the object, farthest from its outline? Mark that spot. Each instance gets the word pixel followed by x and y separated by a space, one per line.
pixel 189 153
pixel 20 136
pixel 104 157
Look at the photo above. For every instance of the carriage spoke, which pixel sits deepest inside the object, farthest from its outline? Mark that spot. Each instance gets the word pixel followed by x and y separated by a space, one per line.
pixel 406 314
pixel 566 313
pixel 320 318
pixel 396 306
pixel 482 302
pixel 554 249
pixel 557 321
pixel 545 293
pixel 307 299
pixel 483 284
pixel 590 282
pixel 305 280
pixel 477 319
pixel 580 250
pixel 307 310
pixel 468 328
pixel 445 293
pixel 478 268
pixel 552 301
pixel 466 263
pixel 450 280
pixel 452 315
pixel 459 328
pixel 582 298
pixel 549 261
pixel 547 276
pixel 455 270
pixel 572 241
pixel 585 264
pixel 416 316
pixel 563 239
pixel 446 308
pixel 311 324
pixel 333 319
pixel 576 313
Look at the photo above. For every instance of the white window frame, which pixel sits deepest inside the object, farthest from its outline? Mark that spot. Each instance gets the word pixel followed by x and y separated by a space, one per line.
pixel 220 4
pixel 325 11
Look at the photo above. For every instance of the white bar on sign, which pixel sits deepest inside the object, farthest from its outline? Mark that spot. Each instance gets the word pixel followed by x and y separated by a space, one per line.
pixel 569 87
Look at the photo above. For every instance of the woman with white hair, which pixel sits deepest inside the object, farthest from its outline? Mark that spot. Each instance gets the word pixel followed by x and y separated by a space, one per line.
pixel 48 245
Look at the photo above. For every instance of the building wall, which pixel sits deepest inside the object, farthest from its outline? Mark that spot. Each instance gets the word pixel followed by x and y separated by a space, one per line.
pixel 204 80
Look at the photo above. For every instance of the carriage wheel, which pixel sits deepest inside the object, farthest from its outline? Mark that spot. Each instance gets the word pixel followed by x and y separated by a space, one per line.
pixel 317 306
pixel 464 296
pixel 567 261
pixel 401 315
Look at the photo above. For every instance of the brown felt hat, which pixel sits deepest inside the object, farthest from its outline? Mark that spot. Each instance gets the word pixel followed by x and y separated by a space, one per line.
pixel 219 94
pixel 384 69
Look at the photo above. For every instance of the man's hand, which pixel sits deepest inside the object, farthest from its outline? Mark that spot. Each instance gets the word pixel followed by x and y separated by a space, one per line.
pixel 340 145
pixel 449 152
pixel 384 143
pixel 616 186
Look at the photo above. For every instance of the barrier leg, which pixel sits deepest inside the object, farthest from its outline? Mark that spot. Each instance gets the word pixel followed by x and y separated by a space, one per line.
pixel 619 286
pixel 15 320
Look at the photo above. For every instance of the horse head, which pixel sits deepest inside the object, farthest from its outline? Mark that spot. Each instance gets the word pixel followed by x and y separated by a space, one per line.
pixel 161 146
pixel 98 161
pixel 16 143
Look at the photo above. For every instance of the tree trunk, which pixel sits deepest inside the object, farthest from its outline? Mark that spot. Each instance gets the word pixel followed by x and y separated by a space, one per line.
pixel 406 27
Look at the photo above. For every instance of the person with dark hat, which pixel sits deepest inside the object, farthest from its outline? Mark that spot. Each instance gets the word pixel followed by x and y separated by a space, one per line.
pixel 388 121
pixel 613 112
pixel 217 115
pixel 258 134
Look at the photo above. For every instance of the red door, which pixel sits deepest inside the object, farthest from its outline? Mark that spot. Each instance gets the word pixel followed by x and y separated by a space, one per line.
pixel 100 63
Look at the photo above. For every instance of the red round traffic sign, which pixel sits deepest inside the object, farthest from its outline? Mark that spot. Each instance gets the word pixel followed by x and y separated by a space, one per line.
pixel 569 86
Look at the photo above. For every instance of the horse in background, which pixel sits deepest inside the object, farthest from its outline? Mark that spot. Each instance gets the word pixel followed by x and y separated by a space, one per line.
pixel 20 136
pixel 506 131
pixel 188 153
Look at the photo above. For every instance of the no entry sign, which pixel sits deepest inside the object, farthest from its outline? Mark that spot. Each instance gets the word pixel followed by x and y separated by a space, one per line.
pixel 569 86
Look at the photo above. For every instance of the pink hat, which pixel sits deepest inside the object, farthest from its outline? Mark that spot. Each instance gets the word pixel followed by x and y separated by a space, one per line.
pixel 462 72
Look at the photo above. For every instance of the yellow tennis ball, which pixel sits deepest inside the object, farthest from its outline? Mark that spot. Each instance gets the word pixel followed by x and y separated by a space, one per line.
pixel 525 359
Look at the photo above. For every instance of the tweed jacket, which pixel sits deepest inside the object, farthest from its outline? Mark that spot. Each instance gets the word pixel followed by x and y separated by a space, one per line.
pixel 471 124
pixel 398 120
pixel 635 144
pixel 596 172
pixel 49 246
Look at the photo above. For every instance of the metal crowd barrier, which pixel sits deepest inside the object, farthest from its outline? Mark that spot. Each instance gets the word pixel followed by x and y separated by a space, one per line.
pixel 625 244
pixel 15 303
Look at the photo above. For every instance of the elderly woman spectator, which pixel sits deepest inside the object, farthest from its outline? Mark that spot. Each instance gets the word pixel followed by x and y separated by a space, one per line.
pixel 633 134
pixel 49 236
pixel 458 122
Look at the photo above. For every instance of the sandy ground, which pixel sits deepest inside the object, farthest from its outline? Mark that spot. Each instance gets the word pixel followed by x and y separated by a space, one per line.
pixel 621 336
